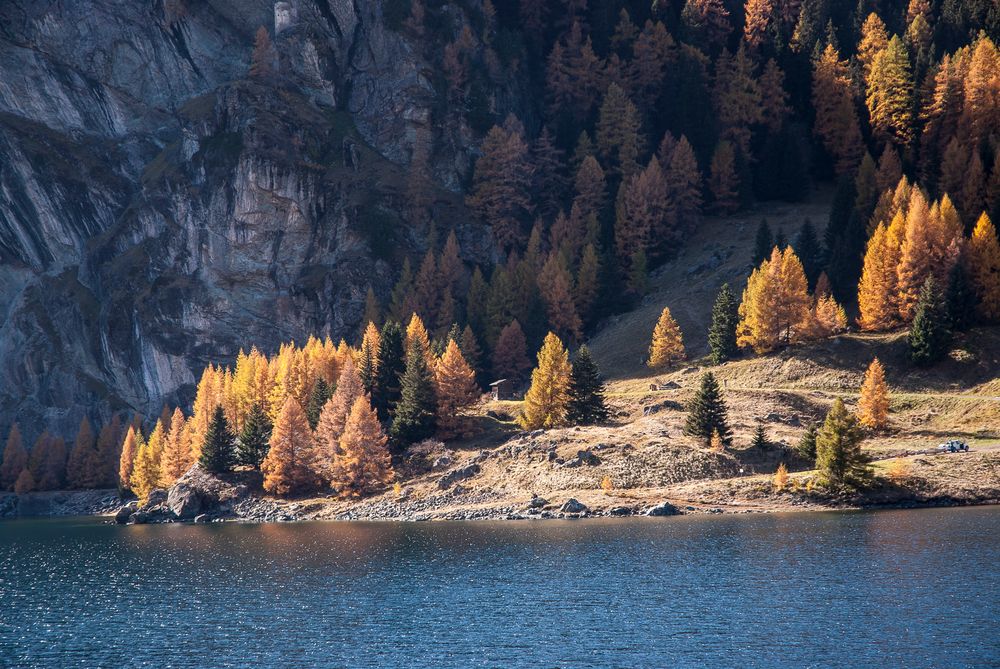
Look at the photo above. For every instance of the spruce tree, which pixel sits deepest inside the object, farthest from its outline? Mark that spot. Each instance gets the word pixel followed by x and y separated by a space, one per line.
pixel 317 398
pixel 807 444
pixel 763 243
pixel 414 417
pixel 391 365
pixel 707 412
pixel 808 250
pixel 722 333
pixel 218 451
pixel 839 460
pixel 253 442
pixel 930 334
pixel 586 391
pixel 759 440
pixel 961 299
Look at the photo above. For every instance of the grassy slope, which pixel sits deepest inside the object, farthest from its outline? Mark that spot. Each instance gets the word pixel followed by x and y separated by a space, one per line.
pixel 647 457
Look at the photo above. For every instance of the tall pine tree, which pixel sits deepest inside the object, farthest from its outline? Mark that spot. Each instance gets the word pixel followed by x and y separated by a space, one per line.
pixel 929 334
pixel 707 412
pixel 722 333
pixel 586 391
pixel 415 413
pixel 253 442
pixel 218 452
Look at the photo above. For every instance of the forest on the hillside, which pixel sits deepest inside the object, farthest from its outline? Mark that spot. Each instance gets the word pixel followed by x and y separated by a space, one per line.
pixel 648 119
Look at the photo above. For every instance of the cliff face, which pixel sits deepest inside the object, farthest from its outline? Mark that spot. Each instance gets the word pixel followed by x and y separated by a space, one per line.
pixel 159 210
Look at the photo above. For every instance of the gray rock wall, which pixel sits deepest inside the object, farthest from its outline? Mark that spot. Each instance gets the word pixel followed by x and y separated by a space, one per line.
pixel 158 211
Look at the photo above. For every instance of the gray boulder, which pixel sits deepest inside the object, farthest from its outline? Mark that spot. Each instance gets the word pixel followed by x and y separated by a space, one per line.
pixel 572 505
pixel 184 500
pixel 125 513
pixel 537 502
pixel 661 509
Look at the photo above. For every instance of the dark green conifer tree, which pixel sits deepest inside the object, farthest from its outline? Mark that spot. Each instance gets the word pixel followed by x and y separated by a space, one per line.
pixel 780 240
pixel 414 418
pixel 722 333
pixel 219 450
pixel 839 460
pixel 961 300
pixel 759 440
pixel 707 412
pixel 254 441
pixel 808 250
pixel 930 333
pixel 807 444
pixel 763 243
pixel 317 398
pixel 391 365
pixel 586 391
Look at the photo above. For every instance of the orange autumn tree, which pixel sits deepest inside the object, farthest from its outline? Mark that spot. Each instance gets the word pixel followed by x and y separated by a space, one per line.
pixel 130 446
pixel 333 417
pixel 290 465
pixel 873 406
pixel 776 307
pixel 362 464
pixel 931 246
pixel 878 295
pixel 15 459
pixel 667 344
pixel 177 457
pixel 828 318
pixel 547 400
pixel 146 466
pixel 456 392
pixel 982 260
pixel 417 332
pixel 836 119
pixel 83 467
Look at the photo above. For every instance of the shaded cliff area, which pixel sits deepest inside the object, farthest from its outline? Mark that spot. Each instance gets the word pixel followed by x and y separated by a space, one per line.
pixel 159 209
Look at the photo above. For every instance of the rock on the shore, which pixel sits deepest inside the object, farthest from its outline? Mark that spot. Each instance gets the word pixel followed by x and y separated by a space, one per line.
pixel 661 509
pixel 572 505
pixel 125 513
pixel 184 501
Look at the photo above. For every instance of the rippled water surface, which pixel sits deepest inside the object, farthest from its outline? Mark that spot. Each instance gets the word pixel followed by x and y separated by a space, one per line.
pixel 887 589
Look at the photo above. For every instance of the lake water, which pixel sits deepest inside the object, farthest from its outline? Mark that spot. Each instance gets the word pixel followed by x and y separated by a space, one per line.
pixel 875 589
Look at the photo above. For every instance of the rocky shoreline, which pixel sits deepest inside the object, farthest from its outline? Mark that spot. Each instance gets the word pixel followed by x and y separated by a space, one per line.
pixel 201 497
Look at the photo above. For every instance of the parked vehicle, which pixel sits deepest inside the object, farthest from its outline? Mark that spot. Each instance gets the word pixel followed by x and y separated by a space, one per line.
pixel 953 446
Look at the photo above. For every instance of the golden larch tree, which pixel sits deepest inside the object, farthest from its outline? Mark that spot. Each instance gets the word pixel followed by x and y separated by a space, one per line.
pixel 82 466
pixel 332 418
pixel 416 332
pixel 362 464
pixel 828 318
pixel 146 470
pixel 15 459
pixel 547 399
pixel 982 259
pixel 177 455
pixel 456 392
pixel 836 119
pixel 667 344
pixel 873 406
pixel 130 446
pixel 877 291
pixel 776 308
pixel 290 465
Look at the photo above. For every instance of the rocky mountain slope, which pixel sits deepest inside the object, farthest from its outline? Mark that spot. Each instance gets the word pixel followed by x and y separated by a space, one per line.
pixel 158 209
